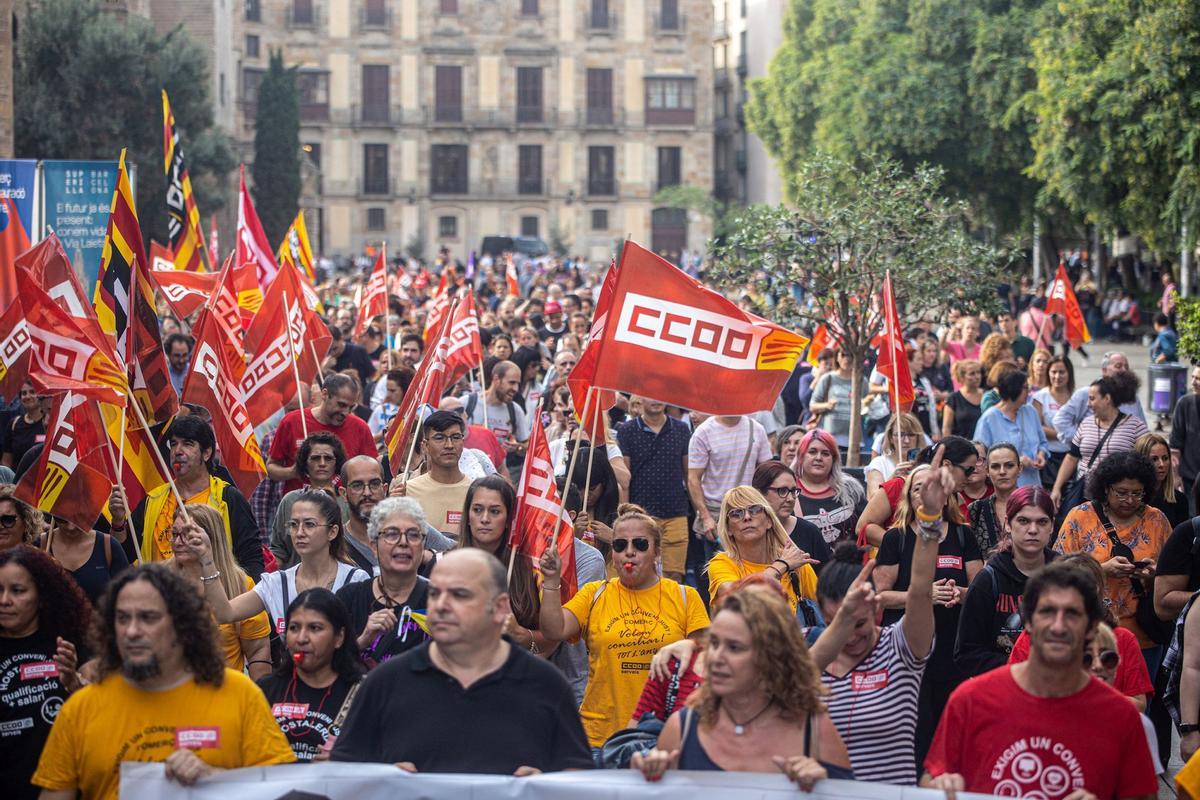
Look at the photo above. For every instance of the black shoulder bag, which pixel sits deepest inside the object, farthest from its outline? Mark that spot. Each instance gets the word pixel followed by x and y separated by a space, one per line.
pixel 1158 630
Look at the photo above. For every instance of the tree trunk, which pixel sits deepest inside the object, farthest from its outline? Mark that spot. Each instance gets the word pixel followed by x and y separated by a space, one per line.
pixel 855 443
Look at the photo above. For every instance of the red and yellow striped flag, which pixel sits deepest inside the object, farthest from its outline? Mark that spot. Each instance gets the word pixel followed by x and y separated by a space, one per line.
pixel 183 218
pixel 296 250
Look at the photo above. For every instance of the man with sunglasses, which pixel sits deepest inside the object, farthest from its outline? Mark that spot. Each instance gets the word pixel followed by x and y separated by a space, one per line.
pixel 1044 726
pixel 442 490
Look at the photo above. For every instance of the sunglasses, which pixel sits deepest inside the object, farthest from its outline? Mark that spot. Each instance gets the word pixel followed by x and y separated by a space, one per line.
pixel 1108 659
pixel 8 520
pixel 641 545
pixel 742 513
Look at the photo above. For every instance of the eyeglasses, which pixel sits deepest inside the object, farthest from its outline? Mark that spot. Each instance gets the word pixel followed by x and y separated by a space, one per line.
pixel 1108 659
pixel 783 491
pixel 393 536
pixel 741 513
pixel 1121 494
pixel 641 545
pixel 357 486
pixel 441 438
pixel 8 520
pixel 309 525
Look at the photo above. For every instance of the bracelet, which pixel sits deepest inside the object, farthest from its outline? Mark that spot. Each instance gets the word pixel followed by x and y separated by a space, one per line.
pixel 786 567
pixel 924 516
pixel 210 578
pixel 551 588
pixel 930 531
pixel 259 661
pixel 775 569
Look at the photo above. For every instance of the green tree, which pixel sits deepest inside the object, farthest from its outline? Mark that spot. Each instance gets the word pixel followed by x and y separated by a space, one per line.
pixel 849 227
pixel 916 81
pixel 1116 111
pixel 88 83
pixel 277 149
pixel 1187 316
pixel 719 213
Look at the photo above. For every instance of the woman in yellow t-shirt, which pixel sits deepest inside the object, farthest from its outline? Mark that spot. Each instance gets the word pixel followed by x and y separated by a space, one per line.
pixel 624 620
pixel 246 644
pixel 754 542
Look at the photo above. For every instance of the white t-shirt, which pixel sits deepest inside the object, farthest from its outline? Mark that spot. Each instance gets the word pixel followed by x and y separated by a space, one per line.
pixel 270 588
pixel 883 465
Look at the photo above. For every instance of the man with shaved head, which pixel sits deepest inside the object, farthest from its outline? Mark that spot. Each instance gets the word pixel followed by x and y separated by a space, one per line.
pixel 469 700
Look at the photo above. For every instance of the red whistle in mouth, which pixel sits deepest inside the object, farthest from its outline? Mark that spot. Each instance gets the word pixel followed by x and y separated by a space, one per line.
pixel 629 567
pixel 297 658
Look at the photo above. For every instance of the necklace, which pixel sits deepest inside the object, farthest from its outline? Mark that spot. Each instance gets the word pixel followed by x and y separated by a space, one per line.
pixel 739 728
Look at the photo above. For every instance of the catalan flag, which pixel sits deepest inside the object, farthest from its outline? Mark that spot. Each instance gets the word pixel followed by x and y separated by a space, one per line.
pixel 183 218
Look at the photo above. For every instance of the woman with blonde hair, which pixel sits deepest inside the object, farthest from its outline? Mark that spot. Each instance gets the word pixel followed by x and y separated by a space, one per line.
pixel 909 440
pixel 1167 497
pixel 760 709
pixel 754 541
pixel 1039 369
pixel 962 407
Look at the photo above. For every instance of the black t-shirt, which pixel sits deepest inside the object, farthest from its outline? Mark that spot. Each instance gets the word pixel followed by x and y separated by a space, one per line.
pixel 355 357
pixel 410 620
pixel 30 698
pixel 1177 555
pixel 409 710
pixel 835 521
pixel 23 435
pixel 954 552
pixel 966 415
pixel 305 714
pixel 808 538
pixel 95 573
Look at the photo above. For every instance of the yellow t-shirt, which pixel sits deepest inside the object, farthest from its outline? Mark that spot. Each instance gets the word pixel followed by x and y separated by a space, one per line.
pixel 623 630
pixel 230 635
pixel 161 540
pixel 442 502
pixel 723 569
pixel 113 721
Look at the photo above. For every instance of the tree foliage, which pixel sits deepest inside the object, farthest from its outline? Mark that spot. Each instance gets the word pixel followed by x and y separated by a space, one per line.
pixel 718 212
pixel 277 149
pixel 88 84
pixel 849 227
pixel 1187 315
pixel 1117 108
pixel 916 81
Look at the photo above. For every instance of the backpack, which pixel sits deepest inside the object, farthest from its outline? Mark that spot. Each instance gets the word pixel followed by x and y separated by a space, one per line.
pixel 473 403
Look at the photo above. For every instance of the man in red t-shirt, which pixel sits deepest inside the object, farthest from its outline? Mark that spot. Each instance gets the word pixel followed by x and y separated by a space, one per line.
pixel 1045 727
pixel 334 414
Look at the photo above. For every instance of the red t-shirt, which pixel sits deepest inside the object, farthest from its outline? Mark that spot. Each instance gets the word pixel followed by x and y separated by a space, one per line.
pixel 1006 742
pixel 481 438
pixel 1132 677
pixel 654 693
pixel 355 436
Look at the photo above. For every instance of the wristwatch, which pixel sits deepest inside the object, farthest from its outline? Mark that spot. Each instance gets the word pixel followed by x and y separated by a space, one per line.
pixel 1189 727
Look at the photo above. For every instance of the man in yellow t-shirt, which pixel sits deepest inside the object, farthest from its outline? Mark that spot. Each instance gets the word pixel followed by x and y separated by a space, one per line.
pixel 165 696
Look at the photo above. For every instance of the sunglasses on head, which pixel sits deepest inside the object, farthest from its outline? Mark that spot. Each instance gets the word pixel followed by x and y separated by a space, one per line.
pixel 1108 659
pixel 8 520
pixel 641 545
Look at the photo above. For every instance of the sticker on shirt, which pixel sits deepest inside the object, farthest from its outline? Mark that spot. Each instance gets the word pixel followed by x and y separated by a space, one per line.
pixel 949 562
pixel 290 710
pixel 869 681
pixel 197 738
pixel 281 626
pixel 1037 766
pixel 39 670
pixel 454 517
pixel 502 433
pixel 14 726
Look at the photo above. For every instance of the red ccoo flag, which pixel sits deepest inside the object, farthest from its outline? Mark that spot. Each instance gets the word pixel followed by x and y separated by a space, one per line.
pixel 707 354
pixel 583 376
pixel 374 303
pixel 438 307
pixel 426 388
pixel 465 351
pixel 1062 301
pixel 893 359
pixel 184 291
pixel 254 265
pixel 13 241
pixel 539 509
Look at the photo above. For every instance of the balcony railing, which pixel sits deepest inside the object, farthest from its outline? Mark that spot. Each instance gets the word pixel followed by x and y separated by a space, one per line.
pixel 670 24
pixel 314 112
pixel 604 186
pixel 721 78
pixel 600 117
pixel 531 187
pixel 382 186
pixel 530 113
pixel 742 65
pixel 720 28
pixel 468 117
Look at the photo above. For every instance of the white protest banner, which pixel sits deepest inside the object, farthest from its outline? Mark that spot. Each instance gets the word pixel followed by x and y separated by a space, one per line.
pixel 343 781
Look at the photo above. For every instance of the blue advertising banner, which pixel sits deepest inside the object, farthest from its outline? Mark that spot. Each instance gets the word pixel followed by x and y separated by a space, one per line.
pixel 76 198
pixel 17 180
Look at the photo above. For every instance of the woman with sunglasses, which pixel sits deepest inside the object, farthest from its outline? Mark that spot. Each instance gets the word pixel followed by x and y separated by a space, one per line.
pixel 754 542
pixel 828 498
pixel 777 483
pixel 991 621
pixel 19 523
pixel 987 516
pixel 623 621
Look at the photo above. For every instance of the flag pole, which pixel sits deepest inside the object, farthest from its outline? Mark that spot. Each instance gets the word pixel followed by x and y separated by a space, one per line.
pixel 158 456
pixel 482 396
pixel 287 325
pixel 893 389
pixel 587 483
pixel 587 405
pixel 312 348
pixel 421 391
pixel 137 547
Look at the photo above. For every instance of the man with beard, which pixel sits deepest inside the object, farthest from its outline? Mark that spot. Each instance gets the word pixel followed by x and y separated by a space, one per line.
pixel 362 489
pixel 333 414
pixel 164 695
pixel 191 443
pixel 1045 726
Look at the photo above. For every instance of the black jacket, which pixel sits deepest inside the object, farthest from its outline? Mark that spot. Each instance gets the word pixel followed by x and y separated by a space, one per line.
pixel 990 621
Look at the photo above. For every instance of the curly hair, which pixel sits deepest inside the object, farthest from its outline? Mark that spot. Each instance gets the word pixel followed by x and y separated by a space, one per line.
pixel 35 524
pixel 996 347
pixel 782 665
pixel 1120 388
pixel 315 438
pixel 63 608
pixel 194 626
pixel 1119 466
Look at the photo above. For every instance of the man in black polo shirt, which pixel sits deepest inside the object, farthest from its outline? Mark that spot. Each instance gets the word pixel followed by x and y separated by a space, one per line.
pixel 655 449
pixel 469 701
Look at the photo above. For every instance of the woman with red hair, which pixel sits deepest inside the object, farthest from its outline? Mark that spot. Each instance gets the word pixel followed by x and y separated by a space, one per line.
pixel 827 498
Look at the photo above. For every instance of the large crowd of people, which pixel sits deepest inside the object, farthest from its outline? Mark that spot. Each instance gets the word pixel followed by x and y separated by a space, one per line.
pixel 999 601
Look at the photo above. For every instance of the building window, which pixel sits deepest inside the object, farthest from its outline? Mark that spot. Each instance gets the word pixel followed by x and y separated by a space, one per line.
pixel 253 11
pixel 376 219
pixel 600 219
pixel 529 94
pixel 303 12
pixel 448 169
pixel 670 100
pixel 529 169
pixel 529 8
pixel 375 13
pixel 448 227
pixel 602 172
pixel 376 92
pixel 447 93
pixel 312 89
pixel 668 15
pixel 599 96
pixel 529 226
pixel 222 88
pixel 599 18
pixel 251 80
pixel 448 8
pixel 375 169
pixel 313 151
pixel 670 169
pixel 251 47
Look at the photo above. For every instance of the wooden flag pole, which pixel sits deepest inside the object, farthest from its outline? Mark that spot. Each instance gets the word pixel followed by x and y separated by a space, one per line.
pixel 287 325
pixel 129 531
pixel 482 397
pixel 158 456
pixel 587 483
pixel 587 405
pixel 312 348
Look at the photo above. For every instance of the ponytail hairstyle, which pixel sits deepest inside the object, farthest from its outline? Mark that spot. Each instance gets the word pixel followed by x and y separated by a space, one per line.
pixel 840 573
